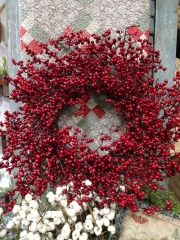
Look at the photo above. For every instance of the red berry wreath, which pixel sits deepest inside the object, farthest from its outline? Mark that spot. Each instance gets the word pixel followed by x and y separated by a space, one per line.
pixel 67 72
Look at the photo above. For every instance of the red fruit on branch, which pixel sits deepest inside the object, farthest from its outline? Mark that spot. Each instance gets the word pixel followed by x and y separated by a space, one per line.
pixel 118 68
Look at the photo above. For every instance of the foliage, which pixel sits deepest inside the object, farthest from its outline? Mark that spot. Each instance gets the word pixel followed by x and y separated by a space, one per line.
pixel 53 217
pixel 48 82
pixel 163 199
pixel 3 71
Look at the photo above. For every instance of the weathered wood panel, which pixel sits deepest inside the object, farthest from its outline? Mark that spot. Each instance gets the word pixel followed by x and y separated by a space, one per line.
pixel 165 36
pixel 12 15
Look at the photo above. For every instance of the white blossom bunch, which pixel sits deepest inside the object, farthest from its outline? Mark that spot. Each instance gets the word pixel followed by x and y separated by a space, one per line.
pixel 58 219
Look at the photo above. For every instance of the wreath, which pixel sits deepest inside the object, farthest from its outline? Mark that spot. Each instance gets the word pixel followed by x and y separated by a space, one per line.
pixel 66 73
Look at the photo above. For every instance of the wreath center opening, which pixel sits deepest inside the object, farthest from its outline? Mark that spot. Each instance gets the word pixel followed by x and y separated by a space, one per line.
pixel 100 119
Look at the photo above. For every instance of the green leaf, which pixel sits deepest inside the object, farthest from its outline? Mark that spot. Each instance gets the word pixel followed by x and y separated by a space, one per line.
pixel 3 62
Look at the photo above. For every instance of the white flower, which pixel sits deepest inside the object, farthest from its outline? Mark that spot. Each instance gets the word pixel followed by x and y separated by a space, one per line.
pixel 56 221
pixel 101 212
pixel 37 219
pixel 16 220
pixel 111 229
pixel 91 232
pixel 96 210
pixel 75 206
pixel 122 188
pixel 43 229
pixel 99 222
pixel 65 188
pixel 89 217
pixel 52 226
pixel 22 214
pixel 50 194
pixel 83 236
pixel 111 215
pixel 113 206
pixel 23 234
pixel 88 225
pixel 28 197
pixel 30 235
pixel 106 220
pixel 79 226
pixel 23 202
pixel 33 227
pixel 64 202
pixel 58 214
pixel 39 225
pixel 60 237
pixel 29 217
pixel 59 190
pixel 16 209
pixel 37 236
pixel 106 210
pixel 25 208
pixel 34 204
pixel 75 234
pixel 72 219
pixel 66 230
pixel 1 211
pixel 98 230
pixel 52 198
pixel 10 224
pixel 71 212
pixel 87 182
pixel 25 222
pixel 84 206
pixel 34 213
pixel 47 214
pixel 3 233
pixel 50 235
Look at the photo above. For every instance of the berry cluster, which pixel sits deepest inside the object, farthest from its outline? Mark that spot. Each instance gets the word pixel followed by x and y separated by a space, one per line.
pixel 58 219
pixel 66 73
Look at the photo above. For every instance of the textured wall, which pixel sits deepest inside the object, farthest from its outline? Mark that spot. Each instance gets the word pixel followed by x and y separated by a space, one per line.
pixel 42 19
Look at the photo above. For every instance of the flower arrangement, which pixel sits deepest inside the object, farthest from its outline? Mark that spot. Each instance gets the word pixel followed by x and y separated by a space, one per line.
pixel 54 217
pixel 66 73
